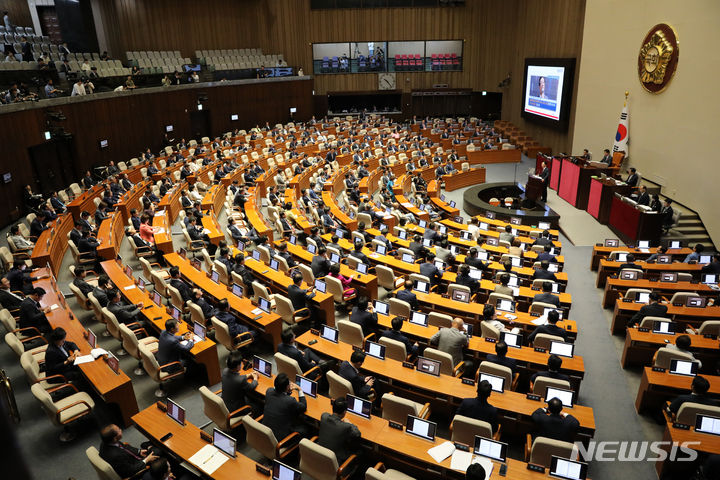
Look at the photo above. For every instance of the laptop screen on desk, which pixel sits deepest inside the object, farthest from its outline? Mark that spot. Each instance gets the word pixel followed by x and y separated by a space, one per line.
pixel 567 469
pixel 375 350
pixel 621 257
pixel 91 338
pixel 420 428
pixel 274 264
pixel 264 304
pixel 381 308
pixel 675 244
pixel 465 235
pixel 176 412
pixel 490 448
pixel 544 225
pixel 199 330
pixel 320 285
pixel 237 290
pixel 512 339
pixel 461 296
pixel 670 277
pixel 681 367
pixel 483 226
pixel 281 471
pixel 175 313
pixel 422 224
pixel 710 278
pixel 419 318
pixel 565 396
pixel 547 310
pixel 334 258
pixel 358 406
pixel 707 424
pixel 308 387
pixel 381 249
pixel 475 273
pixel 256 254
pixel 157 299
pixel 612 242
pixel 663 327
pixel 696 302
pixel 422 287
pixel 215 276
pixel 311 248
pixel 642 297
pixel 643 244
pixel 629 275
pixel 664 259
pixel 505 305
pixel 705 259
pixel 428 366
pixel 223 442
pixel 497 383
pixel 562 349
pixel 261 366
pixel 329 333
pixel 408 258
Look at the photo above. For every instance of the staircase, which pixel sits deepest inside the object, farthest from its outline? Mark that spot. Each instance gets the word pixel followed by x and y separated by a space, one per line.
pixel 690 230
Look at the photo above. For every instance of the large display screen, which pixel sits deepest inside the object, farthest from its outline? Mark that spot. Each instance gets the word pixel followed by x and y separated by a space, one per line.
pixel 547 90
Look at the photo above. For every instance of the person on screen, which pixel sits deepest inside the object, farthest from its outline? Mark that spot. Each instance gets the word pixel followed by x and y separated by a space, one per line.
pixel 541 87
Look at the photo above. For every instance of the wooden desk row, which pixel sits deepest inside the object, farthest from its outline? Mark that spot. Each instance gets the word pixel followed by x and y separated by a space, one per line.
pixel 691 316
pixel 600 252
pixel 52 244
pixel 640 347
pixel 652 270
pixel 614 287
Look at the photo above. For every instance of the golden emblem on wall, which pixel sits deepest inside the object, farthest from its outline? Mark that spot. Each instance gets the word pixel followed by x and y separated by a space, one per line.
pixel 658 57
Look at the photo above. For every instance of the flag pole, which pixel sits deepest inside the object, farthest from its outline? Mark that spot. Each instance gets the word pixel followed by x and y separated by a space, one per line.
pixel 626 96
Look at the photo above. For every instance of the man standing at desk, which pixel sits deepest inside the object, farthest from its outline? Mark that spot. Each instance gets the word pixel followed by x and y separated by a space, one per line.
pixel 545 176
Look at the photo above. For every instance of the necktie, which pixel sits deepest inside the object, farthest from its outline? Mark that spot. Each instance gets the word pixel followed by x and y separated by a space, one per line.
pixel 124 447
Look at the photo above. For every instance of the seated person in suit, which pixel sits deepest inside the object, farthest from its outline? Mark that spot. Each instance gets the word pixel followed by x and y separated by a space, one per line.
pixel 607 158
pixel 503 288
pixel 554 363
pixel 551 422
pixel 337 435
pixel 179 284
pixel 543 239
pixel 124 313
pixel 474 260
pixel 713 266
pixel 507 235
pixel 464 278
pixel 543 272
pixel 282 412
pixel 416 246
pixel 320 264
pixel 695 255
pixel 407 295
pixel 306 360
pixel 358 253
pixel 661 250
pixel 682 344
pixel 475 472
pixel 479 408
pixel 452 341
pixel 31 314
pixel 60 357
pixel 545 255
pixel 10 299
pixel 173 347
pixel 123 458
pixel 652 309
pixel 700 387
pixel 547 295
pixel 234 326
pixel 551 328
pixel 632 178
pixel 364 315
pixel 299 297
pixel 630 262
pixel 395 334
pixel 350 371
pixel 430 270
pixel 161 469
pixel 643 197
pixel 236 386
pixel 500 356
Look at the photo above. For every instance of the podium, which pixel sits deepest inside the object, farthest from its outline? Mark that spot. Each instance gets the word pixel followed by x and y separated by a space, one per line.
pixel 601 195
pixel 573 179
pixel 534 188
pixel 632 224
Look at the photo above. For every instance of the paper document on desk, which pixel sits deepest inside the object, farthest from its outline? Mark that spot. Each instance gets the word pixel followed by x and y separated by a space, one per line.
pixel 461 460
pixel 54 306
pixel 644 250
pixel 208 459
pixel 160 230
pixel 256 311
pixel 485 463
pixel 206 231
pixel 197 339
pixel 129 287
pixel 510 316
pixel 98 352
pixel 83 359
pixel 540 321
pixel 442 451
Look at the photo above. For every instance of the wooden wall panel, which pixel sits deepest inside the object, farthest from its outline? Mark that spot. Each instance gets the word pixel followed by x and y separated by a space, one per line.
pixel 19 12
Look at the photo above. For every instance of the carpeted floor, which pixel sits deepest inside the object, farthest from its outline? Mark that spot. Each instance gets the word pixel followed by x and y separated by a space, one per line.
pixel 607 388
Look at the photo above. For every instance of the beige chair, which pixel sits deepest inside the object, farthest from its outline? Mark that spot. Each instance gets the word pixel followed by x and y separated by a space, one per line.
pixel 465 429
pixel 31 367
pixel 222 336
pixel 159 283
pixel 131 343
pixel 284 308
pixel 17 346
pixel 320 463
pixel 488 330
pixel 308 276
pixel 260 290
pixel 494 297
pixel 397 409
pixel 66 411
pixel 262 439
pixel 541 451
pixel 632 293
pixel 542 383
pixel 148 267
pixel 82 300
pixel 688 412
pixel 649 321
pixel 640 273
pixel 500 371
pixel 394 349
pixel 439 320
pixel 290 367
pixel 664 356
pixel 97 311
pixel 351 333
pixel 399 307
pixel 223 274
pixel 215 409
pixel 386 278
pixel 453 287
pixel 103 469
pixel 379 472
pixel 339 387
pixel 24 335
pixel 709 327
pixel 176 299
pixel 539 307
pixel 155 372
pixel 681 297
pixel 196 313
pixel 538 282
pixel 447 367
pixel 335 288
pixel 544 340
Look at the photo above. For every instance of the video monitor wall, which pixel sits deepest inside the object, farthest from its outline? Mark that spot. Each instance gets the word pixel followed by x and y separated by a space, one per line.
pixel 379 56
pixel 547 91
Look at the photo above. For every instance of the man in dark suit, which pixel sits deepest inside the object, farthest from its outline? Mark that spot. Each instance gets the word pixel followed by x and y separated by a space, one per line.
pixel 474 260
pixel 320 264
pixel 8 299
pixel 479 408
pixel 543 239
pixel 236 386
pixel 545 176
pixel 364 315
pixel 407 295
pixel 547 295
pixel 37 226
pixel 430 270
pixel 643 197
pixel 282 412
pixel 299 297
pixel 551 328
pixel 607 158
pixel 545 255
pixel 173 347
pixel 350 371
pixel 358 253
pixel 543 272
pixel 395 334
pixel 224 315
pixel 101 291
pixel 714 266
pixel 554 363
pixel 179 284
pixel 123 313
pixel 337 435
pixel 60 357
pixel 31 314
pixel 632 177
pixel 417 246
pixel 464 278
pixel 700 387
pixel 629 263
pixel 551 422
pixel 306 360
pixel 667 214
pixel 123 458
pixel 652 309
pixel 500 356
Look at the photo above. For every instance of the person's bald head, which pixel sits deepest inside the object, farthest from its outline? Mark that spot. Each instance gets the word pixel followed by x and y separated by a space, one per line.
pixel 458 324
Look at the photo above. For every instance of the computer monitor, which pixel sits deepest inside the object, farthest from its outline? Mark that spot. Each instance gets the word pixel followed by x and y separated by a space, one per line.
pixel 381 308
pixel 643 244
pixel 490 215
pixel 128 271
pixel 667 328
pixel 157 299
pixel 422 207
pixel 664 259
pixel 113 363
pixel 515 221
pixel 490 448
pixel 621 257
pixel 710 278
pixel 175 313
pixel 292 240
pixel 422 224
pixel 452 205
pixel 339 233
pixel 565 396
pixel 256 255
pixel 141 283
pixel 334 258
pixel 697 302
pixel 567 469
pixel 461 296
pixel 642 297
pixel 475 273
pixel 675 244
pixel 308 387
pixel 176 412
pixel 263 367
pixel 200 330
pixel 240 245
pixel 465 235
pixel 492 241
pixel 196 264
pixel 215 276
pixel 320 285
pixel 402 234
pixel 275 265
pixel 224 442
pixel 544 225
pixel 681 367
pixel 553 267
pixel 547 310
pixel 512 339
pixel 612 242
pixel 311 248
pixel 516 261
pixel 483 226
pixel 483 255
pixel 380 249
pixel 505 305
pixel 329 333
pixel 629 275
pixel 421 428
pixel 705 259
pixel 562 349
pixel 264 304
pixel 359 406
pixel 669 277
pixel 280 471
pixel 497 383
pixel 237 290
pixel 408 258
pixel 419 318
pixel 375 350
pixel 707 424
pixel 91 338
pixel 362 268
pixel 442 197
pixel 422 287
pixel 427 242
pixel 427 365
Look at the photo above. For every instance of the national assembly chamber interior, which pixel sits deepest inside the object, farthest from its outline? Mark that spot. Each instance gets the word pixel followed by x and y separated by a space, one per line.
pixel 359 239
